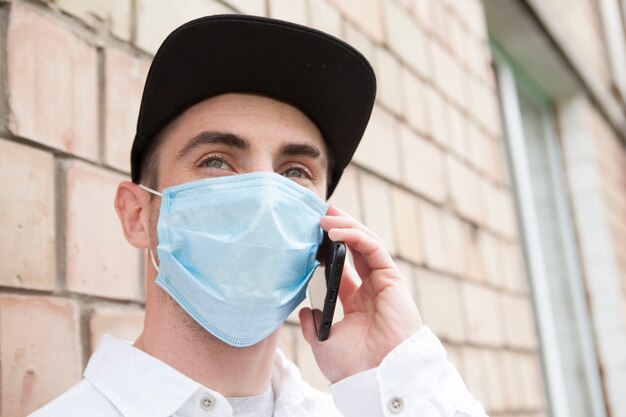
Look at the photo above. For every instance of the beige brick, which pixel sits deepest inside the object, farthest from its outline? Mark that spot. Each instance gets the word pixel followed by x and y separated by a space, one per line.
pixel 406 38
pixel 379 150
pixel 490 251
pixel 366 14
pixel 157 18
pixel 485 378
pixel 423 168
pixel 465 99
pixel 414 101
pixel 518 322
pixel 464 189
pixel 27 217
pixel 433 236
pixel 440 25
pixel 513 270
pixel 501 174
pixel 325 17
pixel 483 315
pixel 525 385
pixel 474 266
pixel 511 380
pixel 307 365
pixel 456 38
pixel 472 14
pixel 454 238
pixel 455 356
pixel 114 15
pixel 504 213
pixel 462 43
pixel 407 227
pixel 291 10
pixel 388 77
pixel 407 270
pixel 407 4
pixel 256 7
pixel 377 208
pixel 423 13
pixel 446 72
pixel 474 374
pixel 40 351
pixel 346 195
pixel 122 322
pixel 475 156
pixel 484 109
pixel 124 79
pixel 99 261
pixel 445 319
pixel 457 133
pixel 491 116
pixel 486 148
pixel 437 112
pixel 53 82
pixel 506 268
pixel 489 193
pixel 474 61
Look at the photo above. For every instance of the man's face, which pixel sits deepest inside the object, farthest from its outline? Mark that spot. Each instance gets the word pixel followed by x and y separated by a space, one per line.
pixel 240 133
pixel 236 134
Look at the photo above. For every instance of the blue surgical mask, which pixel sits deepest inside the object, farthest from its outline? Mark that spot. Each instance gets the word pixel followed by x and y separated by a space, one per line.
pixel 237 252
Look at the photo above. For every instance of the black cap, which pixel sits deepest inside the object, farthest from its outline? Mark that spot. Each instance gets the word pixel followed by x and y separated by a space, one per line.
pixel 327 79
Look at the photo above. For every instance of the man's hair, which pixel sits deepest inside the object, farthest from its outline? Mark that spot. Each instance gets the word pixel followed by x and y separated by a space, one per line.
pixel 149 175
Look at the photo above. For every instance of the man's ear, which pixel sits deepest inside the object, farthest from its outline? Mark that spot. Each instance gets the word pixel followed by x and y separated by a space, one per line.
pixel 132 205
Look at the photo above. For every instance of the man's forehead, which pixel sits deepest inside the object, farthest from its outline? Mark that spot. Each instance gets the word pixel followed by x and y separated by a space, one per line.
pixel 247 102
pixel 224 112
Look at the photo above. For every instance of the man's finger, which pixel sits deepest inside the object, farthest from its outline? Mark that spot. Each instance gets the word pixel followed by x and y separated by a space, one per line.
pixel 349 284
pixel 369 248
pixel 344 222
pixel 307 326
pixel 333 210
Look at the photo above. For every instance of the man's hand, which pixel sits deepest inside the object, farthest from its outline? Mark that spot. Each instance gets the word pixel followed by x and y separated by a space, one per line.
pixel 379 312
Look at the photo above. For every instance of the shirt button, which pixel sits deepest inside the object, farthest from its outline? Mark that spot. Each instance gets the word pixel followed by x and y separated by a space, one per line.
pixel 396 404
pixel 207 402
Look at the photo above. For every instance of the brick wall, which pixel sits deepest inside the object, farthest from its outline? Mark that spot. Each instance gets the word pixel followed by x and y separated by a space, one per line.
pixel 579 27
pixel 429 177
pixel 610 156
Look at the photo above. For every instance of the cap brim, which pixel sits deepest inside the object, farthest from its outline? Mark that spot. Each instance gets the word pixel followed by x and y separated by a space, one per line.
pixel 327 79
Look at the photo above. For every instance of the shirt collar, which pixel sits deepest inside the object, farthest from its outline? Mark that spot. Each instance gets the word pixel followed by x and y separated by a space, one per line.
pixel 140 385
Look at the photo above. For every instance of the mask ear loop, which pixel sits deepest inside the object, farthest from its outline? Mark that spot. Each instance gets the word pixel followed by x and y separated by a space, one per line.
pixel 153 261
pixel 151 191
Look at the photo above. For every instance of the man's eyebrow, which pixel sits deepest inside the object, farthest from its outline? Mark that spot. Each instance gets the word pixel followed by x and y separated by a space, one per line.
pixel 213 137
pixel 295 149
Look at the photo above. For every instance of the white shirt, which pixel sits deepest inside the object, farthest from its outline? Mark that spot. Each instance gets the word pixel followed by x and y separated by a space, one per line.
pixel 414 379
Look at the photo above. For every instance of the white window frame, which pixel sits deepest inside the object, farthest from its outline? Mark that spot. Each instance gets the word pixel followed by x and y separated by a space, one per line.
pixel 528 222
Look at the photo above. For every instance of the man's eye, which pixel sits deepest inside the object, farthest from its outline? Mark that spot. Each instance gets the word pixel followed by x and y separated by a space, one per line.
pixel 214 162
pixel 295 172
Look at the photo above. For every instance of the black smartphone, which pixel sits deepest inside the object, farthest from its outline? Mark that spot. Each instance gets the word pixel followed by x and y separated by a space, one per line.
pixel 324 291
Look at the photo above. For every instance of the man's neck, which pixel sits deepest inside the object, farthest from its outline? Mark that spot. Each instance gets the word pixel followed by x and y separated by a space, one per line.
pixel 173 337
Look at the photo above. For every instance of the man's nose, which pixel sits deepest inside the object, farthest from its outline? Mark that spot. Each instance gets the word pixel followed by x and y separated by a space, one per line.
pixel 261 163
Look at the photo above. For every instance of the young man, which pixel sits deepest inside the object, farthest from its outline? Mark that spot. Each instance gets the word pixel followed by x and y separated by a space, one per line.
pixel 245 127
